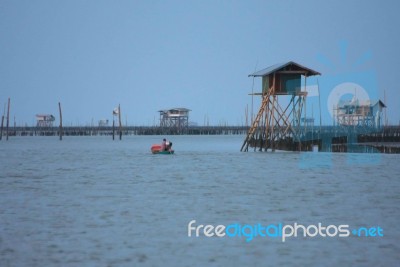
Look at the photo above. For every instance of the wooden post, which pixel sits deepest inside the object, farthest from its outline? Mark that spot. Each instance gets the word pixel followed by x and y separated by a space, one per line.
pixel 2 122
pixel 1 129
pixel 272 116
pixel 120 124
pixel 8 119
pixel 113 128
pixel 61 129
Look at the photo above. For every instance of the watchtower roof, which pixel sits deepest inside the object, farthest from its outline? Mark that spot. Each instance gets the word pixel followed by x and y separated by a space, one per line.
pixel 175 109
pixel 290 67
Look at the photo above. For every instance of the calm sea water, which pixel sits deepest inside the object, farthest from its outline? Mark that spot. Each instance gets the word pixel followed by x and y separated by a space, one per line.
pixel 91 201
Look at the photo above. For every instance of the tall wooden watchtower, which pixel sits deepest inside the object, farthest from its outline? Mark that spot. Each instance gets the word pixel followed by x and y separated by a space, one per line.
pixel 277 124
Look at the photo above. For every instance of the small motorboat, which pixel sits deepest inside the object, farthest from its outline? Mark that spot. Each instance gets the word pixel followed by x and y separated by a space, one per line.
pixel 156 149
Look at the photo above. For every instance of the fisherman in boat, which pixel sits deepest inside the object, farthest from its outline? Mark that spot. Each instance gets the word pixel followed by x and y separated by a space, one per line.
pixel 168 145
pixel 164 145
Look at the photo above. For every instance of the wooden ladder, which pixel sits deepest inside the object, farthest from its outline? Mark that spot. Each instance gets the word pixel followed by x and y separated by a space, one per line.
pixel 253 128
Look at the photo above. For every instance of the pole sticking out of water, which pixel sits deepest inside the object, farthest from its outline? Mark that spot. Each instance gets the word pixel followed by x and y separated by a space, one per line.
pixel 61 128
pixel 120 123
pixel 113 128
pixel 8 119
pixel 246 114
pixel 1 129
pixel 2 122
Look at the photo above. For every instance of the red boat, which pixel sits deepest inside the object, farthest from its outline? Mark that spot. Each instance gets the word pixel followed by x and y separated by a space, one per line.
pixel 156 149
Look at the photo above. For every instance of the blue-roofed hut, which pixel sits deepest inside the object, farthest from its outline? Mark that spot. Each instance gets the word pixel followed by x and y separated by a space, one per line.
pixel 277 126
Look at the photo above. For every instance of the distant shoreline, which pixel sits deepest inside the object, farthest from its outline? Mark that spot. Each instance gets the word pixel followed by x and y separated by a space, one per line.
pixel 393 132
pixel 326 138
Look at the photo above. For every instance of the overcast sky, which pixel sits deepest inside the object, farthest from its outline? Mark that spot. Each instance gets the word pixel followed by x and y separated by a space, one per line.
pixel 152 55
